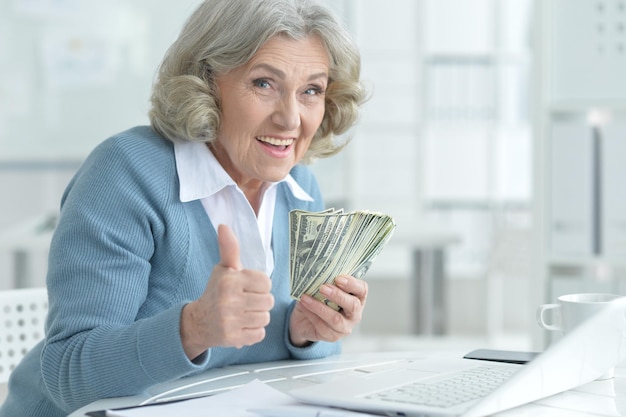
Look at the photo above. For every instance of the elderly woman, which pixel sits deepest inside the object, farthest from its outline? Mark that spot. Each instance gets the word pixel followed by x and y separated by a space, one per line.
pixel 171 253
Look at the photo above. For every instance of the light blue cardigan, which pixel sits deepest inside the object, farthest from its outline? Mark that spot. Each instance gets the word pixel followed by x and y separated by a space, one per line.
pixel 127 255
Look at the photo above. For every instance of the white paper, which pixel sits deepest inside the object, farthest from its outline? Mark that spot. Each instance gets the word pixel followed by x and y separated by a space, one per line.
pixel 235 403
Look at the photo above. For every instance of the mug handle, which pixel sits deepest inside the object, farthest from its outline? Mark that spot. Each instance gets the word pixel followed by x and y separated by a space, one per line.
pixel 540 317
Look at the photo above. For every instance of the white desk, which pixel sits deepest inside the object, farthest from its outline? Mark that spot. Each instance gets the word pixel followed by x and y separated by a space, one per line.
pixel 600 398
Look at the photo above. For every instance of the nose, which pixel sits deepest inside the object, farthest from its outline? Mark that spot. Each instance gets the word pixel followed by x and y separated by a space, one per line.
pixel 287 113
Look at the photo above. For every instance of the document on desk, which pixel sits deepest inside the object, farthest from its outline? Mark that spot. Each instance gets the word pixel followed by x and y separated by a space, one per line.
pixel 254 399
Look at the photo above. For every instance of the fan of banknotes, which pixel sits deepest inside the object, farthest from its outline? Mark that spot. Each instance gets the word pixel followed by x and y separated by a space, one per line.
pixel 326 244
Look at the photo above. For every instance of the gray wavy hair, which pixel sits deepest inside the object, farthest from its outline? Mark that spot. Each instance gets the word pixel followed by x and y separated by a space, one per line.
pixel 224 34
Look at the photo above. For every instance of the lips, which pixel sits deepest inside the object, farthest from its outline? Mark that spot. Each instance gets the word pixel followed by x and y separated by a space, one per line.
pixel 279 143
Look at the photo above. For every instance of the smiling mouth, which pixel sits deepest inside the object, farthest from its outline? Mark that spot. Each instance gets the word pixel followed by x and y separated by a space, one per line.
pixel 279 143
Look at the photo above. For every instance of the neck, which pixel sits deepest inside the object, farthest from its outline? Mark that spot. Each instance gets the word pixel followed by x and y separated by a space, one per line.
pixel 254 195
pixel 253 189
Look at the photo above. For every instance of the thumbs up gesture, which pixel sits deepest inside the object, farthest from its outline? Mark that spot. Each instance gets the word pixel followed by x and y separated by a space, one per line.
pixel 234 308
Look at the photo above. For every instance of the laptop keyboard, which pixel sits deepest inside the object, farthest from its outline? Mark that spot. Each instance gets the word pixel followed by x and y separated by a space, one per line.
pixel 458 388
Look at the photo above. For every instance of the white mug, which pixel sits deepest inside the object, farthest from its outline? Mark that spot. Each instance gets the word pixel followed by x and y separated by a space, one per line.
pixel 572 310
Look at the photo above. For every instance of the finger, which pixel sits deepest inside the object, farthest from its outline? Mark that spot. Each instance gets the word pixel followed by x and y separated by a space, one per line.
pixel 350 305
pixel 332 318
pixel 252 336
pixel 245 337
pixel 329 325
pixel 259 302
pixel 255 282
pixel 229 248
pixel 256 320
pixel 351 285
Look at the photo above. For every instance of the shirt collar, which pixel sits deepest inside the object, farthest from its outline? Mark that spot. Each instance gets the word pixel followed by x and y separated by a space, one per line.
pixel 201 175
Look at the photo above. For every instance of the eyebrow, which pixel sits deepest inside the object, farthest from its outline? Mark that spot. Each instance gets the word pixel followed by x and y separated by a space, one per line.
pixel 281 74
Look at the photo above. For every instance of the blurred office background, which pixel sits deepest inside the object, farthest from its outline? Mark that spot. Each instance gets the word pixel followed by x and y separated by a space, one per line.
pixel 495 136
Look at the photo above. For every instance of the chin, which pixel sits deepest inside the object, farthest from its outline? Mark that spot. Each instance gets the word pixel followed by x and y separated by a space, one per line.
pixel 276 176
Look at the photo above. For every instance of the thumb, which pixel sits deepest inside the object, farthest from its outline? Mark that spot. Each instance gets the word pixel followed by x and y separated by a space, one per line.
pixel 229 248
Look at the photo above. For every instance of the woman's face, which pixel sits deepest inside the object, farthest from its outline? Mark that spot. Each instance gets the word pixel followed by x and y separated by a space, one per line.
pixel 270 109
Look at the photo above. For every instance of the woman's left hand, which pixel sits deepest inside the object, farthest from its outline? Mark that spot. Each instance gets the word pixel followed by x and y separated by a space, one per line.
pixel 313 321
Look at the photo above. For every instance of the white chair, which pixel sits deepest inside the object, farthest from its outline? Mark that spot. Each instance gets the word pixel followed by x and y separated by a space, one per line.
pixel 22 318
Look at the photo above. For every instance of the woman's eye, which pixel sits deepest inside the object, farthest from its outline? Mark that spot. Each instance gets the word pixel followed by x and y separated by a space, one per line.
pixel 314 91
pixel 261 83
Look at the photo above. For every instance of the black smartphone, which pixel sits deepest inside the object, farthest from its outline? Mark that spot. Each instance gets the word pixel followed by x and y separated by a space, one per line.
pixel 508 356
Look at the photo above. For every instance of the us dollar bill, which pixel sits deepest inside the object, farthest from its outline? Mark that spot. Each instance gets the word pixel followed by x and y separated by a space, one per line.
pixel 324 245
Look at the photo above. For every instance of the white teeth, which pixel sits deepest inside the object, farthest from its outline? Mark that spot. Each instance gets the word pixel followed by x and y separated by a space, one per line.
pixel 274 141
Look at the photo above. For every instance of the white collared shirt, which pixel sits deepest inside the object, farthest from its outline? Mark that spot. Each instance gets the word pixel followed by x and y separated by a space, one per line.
pixel 202 178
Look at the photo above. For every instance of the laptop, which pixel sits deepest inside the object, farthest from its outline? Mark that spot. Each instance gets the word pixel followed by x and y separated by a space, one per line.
pixel 472 388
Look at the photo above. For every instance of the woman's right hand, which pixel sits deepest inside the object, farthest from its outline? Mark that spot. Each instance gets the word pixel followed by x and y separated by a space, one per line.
pixel 234 308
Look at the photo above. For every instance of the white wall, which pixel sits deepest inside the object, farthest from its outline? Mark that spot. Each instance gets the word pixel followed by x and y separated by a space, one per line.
pixel 406 154
pixel 71 74
pixel 59 104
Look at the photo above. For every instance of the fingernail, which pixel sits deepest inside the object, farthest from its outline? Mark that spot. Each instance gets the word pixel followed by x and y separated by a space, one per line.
pixel 326 290
pixel 341 280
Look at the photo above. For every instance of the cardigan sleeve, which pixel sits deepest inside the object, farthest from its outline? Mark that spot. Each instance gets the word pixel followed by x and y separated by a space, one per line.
pixel 99 265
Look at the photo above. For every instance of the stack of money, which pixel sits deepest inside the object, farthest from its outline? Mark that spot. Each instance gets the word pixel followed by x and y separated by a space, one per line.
pixel 326 244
